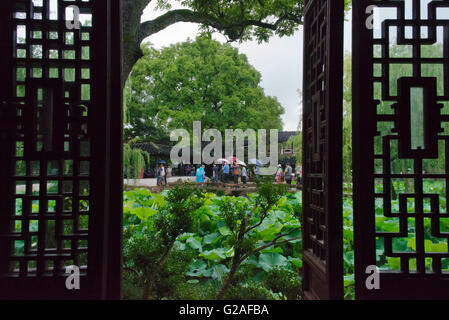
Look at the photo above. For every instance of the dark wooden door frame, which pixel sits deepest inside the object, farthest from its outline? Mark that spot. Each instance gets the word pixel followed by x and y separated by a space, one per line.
pixel 322 149
pixel 106 122
pixel 403 283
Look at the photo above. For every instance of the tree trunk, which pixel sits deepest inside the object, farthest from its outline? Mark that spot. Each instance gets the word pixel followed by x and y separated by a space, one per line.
pixel 132 13
pixel 228 280
pixel 134 32
pixel 147 292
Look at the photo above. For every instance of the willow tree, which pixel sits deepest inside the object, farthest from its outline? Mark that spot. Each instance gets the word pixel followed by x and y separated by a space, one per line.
pixel 238 20
pixel 134 160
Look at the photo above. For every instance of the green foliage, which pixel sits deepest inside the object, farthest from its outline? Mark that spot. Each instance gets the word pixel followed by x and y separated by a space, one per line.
pixel 166 281
pixel 134 160
pixel 233 18
pixel 50 236
pixel 249 19
pixel 210 237
pixel 249 290
pixel 385 224
pixel 245 221
pixel 152 224
pixel 236 20
pixel 347 119
pixel 296 141
pixel 172 273
pixel 194 290
pixel 175 217
pixel 391 225
pixel 199 80
pixel 385 107
pixel 285 282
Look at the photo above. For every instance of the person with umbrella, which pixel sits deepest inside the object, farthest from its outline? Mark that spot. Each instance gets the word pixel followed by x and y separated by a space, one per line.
pixel 161 174
pixel 244 175
pixel 236 172
pixel 256 170
pixel 225 173
pixel 215 173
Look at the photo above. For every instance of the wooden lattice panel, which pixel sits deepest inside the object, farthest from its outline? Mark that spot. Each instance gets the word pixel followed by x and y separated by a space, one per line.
pixel 61 178
pixel 401 145
pixel 323 30
pixel 51 202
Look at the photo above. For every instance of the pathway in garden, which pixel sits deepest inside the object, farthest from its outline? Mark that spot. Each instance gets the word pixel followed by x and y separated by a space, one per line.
pixel 226 188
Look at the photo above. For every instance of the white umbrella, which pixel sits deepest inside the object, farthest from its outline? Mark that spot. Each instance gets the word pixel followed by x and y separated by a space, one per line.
pixel 222 161
pixel 234 159
pixel 240 163
pixel 256 162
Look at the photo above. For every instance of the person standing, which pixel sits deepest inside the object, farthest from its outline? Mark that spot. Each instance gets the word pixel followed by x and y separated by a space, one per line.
pixel 169 171
pixel 288 174
pixel 225 173
pixel 279 174
pixel 162 175
pixel 200 174
pixel 215 173
pixel 157 172
pixel 236 173
pixel 244 175
pixel 298 175
pixel 257 172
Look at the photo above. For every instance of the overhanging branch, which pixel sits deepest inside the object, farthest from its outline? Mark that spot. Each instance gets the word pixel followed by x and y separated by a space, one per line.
pixel 181 15
pixel 184 15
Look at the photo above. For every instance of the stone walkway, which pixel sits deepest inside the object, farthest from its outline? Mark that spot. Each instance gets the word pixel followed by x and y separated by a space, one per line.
pixel 152 182
pixel 226 188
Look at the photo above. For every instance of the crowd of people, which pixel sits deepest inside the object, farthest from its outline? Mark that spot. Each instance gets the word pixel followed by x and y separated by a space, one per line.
pixel 228 173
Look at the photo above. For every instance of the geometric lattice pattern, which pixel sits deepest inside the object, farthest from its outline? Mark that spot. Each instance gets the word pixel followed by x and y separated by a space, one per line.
pixel 322 132
pixel 314 127
pixel 411 143
pixel 48 221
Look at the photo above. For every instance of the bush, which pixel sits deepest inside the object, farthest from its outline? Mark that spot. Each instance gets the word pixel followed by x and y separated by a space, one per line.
pixel 180 244
pixel 194 290
pixel 285 282
pixel 249 291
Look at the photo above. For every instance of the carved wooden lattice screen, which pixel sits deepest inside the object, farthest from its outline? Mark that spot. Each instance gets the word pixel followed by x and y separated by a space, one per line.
pixel 322 161
pixel 401 147
pixel 54 121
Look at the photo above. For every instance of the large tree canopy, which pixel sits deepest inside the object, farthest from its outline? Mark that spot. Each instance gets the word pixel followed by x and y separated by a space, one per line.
pixel 236 19
pixel 201 80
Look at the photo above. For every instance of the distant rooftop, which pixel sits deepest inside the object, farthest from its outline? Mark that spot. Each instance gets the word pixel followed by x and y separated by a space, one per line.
pixel 283 136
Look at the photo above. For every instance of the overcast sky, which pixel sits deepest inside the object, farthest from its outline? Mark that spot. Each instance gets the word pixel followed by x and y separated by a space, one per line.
pixel 279 62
